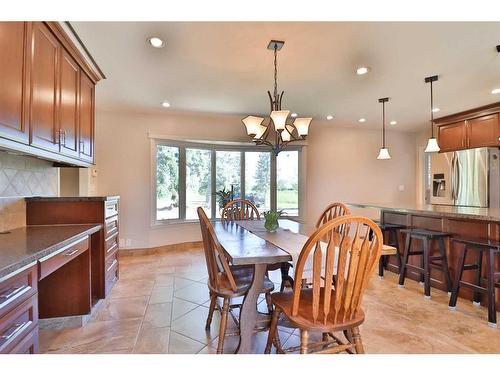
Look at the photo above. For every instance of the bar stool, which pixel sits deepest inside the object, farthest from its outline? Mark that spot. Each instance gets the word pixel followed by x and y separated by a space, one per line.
pixel 390 233
pixel 427 260
pixel 482 246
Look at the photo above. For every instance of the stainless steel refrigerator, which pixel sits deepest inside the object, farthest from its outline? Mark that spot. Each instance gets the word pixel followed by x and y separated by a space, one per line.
pixel 468 178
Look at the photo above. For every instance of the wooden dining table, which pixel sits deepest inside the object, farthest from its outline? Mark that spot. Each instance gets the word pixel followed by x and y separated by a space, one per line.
pixel 249 243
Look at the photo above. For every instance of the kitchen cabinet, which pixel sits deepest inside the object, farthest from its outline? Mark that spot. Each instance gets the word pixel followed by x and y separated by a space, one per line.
pixel 44 88
pixel 86 118
pixel 452 137
pixel 47 96
pixel 471 129
pixel 483 131
pixel 69 87
pixel 14 57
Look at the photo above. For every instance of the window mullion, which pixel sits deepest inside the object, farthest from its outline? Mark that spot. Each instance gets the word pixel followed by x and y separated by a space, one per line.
pixel 213 175
pixel 242 175
pixel 273 183
pixel 182 183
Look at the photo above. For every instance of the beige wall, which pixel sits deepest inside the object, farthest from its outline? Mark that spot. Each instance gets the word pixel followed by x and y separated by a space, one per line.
pixel 340 165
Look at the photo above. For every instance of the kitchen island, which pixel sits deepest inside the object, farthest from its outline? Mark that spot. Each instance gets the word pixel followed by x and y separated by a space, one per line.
pixel 470 222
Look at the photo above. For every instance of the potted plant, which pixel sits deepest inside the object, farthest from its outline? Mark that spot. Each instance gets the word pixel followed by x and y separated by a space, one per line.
pixel 224 197
pixel 271 220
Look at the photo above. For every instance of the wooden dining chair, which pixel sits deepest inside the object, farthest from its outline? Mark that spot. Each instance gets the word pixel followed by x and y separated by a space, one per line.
pixel 331 212
pixel 243 209
pixel 326 308
pixel 223 281
pixel 240 209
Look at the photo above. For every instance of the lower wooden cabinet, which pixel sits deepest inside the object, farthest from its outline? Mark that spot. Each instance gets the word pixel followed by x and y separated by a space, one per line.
pixel 19 312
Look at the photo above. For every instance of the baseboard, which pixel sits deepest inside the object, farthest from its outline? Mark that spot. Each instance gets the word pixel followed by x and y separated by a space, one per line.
pixel 161 249
pixel 67 322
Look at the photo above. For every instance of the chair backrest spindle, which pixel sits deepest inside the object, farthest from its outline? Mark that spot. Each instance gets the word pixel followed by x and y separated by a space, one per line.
pixel 240 209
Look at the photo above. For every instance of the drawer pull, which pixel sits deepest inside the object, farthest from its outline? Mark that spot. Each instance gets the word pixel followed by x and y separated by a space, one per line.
pixel 70 253
pixel 112 265
pixel 13 292
pixel 17 327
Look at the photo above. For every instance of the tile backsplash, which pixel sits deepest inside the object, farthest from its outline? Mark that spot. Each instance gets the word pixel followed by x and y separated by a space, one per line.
pixel 23 176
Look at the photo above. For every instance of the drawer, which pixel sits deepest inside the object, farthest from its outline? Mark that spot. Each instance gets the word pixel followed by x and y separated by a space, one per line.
pixel 17 287
pixel 111 226
pixel 111 273
pixel 28 345
pixel 111 244
pixel 59 258
pixel 16 325
pixel 110 208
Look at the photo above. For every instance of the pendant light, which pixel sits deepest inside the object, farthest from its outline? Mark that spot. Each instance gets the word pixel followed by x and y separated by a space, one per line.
pixel 384 152
pixel 432 145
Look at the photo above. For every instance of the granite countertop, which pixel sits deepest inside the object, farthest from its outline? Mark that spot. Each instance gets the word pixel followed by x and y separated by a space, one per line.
pixel 96 198
pixel 475 213
pixel 21 246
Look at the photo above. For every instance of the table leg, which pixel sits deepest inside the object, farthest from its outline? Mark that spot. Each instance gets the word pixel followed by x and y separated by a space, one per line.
pixel 248 314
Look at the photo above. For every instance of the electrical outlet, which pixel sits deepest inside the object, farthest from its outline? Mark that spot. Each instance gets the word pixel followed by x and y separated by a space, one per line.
pixel 401 188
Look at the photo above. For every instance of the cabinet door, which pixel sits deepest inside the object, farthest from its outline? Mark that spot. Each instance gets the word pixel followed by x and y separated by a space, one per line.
pixel 68 104
pixel 44 88
pixel 483 131
pixel 13 80
pixel 86 114
pixel 452 137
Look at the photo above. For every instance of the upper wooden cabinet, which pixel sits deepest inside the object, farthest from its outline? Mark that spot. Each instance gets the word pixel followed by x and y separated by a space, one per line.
pixel 451 137
pixel 483 131
pixel 14 58
pixel 69 93
pixel 471 129
pixel 47 93
pixel 86 118
pixel 44 88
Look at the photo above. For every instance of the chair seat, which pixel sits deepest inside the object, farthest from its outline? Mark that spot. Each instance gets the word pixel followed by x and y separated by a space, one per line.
pixel 384 227
pixel 243 276
pixel 304 319
pixel 479 242
pixel 425 233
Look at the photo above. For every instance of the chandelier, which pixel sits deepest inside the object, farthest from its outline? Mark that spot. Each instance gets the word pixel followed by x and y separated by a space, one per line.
pixel 276 131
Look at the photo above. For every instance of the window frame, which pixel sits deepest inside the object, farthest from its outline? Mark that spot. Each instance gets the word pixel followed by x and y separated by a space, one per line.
pixel 214 147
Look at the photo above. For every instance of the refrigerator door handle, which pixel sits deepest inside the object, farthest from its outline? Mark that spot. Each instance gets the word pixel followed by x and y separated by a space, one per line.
pixel 457 179
pixel 452 178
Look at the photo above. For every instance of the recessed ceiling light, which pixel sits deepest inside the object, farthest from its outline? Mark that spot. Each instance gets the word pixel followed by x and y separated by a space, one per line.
pixel 362 70
pixel 165 104
pixel 495 91
pixel 362 120
pixel 435 109
pixel 329 117
pixel 393 122
pixel 156 42
pixel 294 114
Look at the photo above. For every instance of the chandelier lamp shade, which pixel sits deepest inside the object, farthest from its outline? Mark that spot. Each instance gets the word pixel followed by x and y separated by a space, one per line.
pixel 384 152
pixel 432 145
pixel 277 130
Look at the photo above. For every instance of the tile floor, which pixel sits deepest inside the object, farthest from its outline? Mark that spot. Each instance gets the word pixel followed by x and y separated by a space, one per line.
pixel 159 305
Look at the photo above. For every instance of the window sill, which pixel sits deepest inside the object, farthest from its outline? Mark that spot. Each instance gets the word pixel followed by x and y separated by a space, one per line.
pixel 166 224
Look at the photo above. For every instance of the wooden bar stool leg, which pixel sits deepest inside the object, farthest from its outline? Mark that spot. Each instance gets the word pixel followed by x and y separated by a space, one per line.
pixel 477 295
pixel 422 264
pixel 269 303
pixel 223 325
pixel 427 271
pixel 456 286
pixel 444 262
pixel 490 275
pixel 398 252
pixel 381 267
pixel 406 254
pixel 304 341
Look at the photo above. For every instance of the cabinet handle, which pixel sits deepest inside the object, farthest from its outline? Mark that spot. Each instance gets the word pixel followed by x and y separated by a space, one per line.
pixel 63 132
pixel 17 327
pixel 8 294
pixel 82 147
pixel 70 253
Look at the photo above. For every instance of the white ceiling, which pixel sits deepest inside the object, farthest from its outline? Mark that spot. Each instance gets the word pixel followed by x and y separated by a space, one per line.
pixel 225 67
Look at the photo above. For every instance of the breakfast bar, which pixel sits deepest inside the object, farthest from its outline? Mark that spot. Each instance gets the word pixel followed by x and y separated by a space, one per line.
pixel 459 222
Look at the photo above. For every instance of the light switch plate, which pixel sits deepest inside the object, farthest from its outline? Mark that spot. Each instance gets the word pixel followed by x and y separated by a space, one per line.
pixel 401 188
